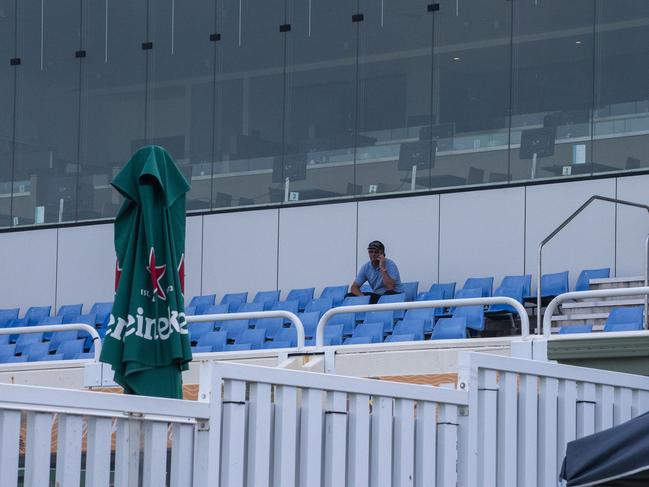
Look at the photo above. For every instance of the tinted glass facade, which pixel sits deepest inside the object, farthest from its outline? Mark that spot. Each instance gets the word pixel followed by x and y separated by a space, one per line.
pixel 275 101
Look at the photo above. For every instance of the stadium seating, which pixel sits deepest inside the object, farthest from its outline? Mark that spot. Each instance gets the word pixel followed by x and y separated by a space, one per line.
pixel 394 298
pixel 250 307
pixel 302 296
pixel 202 302
pixel 60 337
pixel 237 347
pixel 290 305
pixel 277 344
pixel 412 327
pixel 385 317
pixel 271 326
pixel 367 333
pixel 267 298
pixel 69 311
pixel 36 351
pixel 400 338
pixel 310 322
pixel 197 330
pixel 473 316
pixel 336 293
pixel 485 284
pixel 333 335
pixel 286 335
pixel 7 316
pixel 201 349
pixel 102 311
pixel 71 348
pixel 410 289
pixel 575 329
pixel 6 352
pixel 426 315
pixel 320 305
pixel 583 281
pixel 35 313
pixel 216 340
pixel 624 318
pixel 235 300
pixel 449 328
pixel 346 320
pixel 25 339
pixel 551 286
pixel 255 338
pixel 234 328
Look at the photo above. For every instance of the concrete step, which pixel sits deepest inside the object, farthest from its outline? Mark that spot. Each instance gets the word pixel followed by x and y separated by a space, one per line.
pixel 598 306
pixel 580 319
pixel 616 282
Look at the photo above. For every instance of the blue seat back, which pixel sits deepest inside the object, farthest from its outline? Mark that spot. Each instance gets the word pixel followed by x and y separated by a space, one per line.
pixel 267 298
pixel 336 293
pixel 554 284
pixel 310 321
pixel 302 296
pixel 625 315
pixel 216 309
pixel 447 289
pixel 583 281
pixel 372 330
pixel 449 328
pixel 394 298
pixel 271 326
pixel 288 305
pixel 564 330
pixel 413 327
pixel 514 292
pixel 61 337
pixel 25 339
pixel 473 315
pixel 410 289
pixel 237 347
pixel 255 338
pixel 8 315
pixel 190 310
pixel 320 305
pixel 385 317
pixel 71 348
pixel 400 338
pixel 346 320
pixel 216 340
pixel 102 310
pixel 235 300
pixel 356 300
pixel 70 309
pixel 7 351
pixel 277 344
pixel 623 327
pixel 36 351
pixel 287 335
pixel 234 328
pixel 517 282
pixel 468 293
pixel 424 314
pixel 204 300
pixel 250 307
pixel 197 330
pixel 52 320
pixel 35 313
pixel 485 284
pixel 358 340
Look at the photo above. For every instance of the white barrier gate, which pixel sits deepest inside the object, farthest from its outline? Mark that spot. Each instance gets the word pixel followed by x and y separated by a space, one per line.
pixel 506 425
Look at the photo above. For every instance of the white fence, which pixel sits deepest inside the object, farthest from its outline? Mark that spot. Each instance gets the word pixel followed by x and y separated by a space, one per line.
pixel 506 425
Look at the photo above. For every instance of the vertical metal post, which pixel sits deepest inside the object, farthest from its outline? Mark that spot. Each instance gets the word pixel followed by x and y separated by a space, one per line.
pixel 538 291
pixel 646 280
pixel 413 177
pixel 287 183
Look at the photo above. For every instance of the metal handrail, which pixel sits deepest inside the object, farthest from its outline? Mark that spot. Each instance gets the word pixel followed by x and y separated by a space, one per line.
pixel 299 327
pixel 576 295
pixel 442 303
pixel 561 227
pixel 67 327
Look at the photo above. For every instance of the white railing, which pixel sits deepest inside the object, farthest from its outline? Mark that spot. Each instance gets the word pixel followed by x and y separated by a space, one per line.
pixel 299 327
pixel 577 295
pixel 57 328
pixel 444 303
pixel 522 413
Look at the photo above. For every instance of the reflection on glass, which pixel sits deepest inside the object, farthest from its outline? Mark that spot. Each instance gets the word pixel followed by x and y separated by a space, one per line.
pixel 112 100
pixel 621 116
pixel 7 27
pixel 553 87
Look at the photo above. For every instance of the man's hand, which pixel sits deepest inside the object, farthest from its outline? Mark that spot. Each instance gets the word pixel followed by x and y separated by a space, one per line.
pixel 382 262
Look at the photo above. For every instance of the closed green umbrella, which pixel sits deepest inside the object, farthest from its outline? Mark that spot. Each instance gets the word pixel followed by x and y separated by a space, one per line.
pixel 147 343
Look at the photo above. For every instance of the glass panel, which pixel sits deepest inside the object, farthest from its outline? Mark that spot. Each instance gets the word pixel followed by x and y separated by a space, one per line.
pixel 47 112
pixel 249 101
pixel 112 101
pixel 320 100
pixel 621 118
pixel 553 88
pixel 180 94
pixel 7 48
pixel 471 92
pixel 394 96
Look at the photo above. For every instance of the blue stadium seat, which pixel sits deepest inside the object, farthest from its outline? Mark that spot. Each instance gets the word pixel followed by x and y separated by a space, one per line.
pixel 71 348
pixel 60 337
pixel 466 293
pixel 35 313
pixel 286 335
pixel 310 322
pixel 50 320
pixel 267 298
pixel 412 327
pixel 190 310
pixel 410 289
pixel 102 311
pixel 333 335
pixel 17 323
pixel 250 307
pixel 564 330
pixel 320 305
pixel 524 282
pixel 394 298
pixel 69 311
pixel 87 319
pixel 197 330
pixel 631 316
pixel 446 289
pixel 622 327
pixel 485 284
pixel 357 301
pixel 4 340
pixel 36 351
pixel 277 344
pixel 473 315
pixel 271 326
pixel 216 340
pixel 25 339
pixel 336 293
pixel 7 351
pixel 202 302
pixel 515 287
pixel 357 340
pixel 7 316
pixel 202 349
pixel 235 300
pixel 583 281
pixel 385 317
pixel 449 328
pixel 234 328
pixel 426 315
pixel 216 309
pixel 237 347
pixel 400 338
pixel 373 332
pixel 59 356
pixel 84 356
pixel 255 338
pixel 551 286
pixel 302 296
pixel 346 320
pixel 17 358
pixel 288 305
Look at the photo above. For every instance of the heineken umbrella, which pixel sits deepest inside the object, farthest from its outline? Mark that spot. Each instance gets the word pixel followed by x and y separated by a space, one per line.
pixel 617 457
pixel 147 343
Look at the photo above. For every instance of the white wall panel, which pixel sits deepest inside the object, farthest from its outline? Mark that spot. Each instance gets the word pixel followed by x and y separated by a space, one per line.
pixel 588 242
pixel 632 225
pixel 408 227
pixel 28 269
pixel 240 252
pixel 317 246
pixel 86 265
pixel 481 234
pixel 193 256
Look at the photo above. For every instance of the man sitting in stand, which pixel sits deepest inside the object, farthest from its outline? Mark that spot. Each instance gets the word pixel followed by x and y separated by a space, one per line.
pixel 380 272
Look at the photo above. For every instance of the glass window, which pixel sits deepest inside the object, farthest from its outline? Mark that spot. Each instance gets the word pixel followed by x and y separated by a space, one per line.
pixel 180 90
pixel 47 111
pixel 394 96
pixel 621 116
pixel 471 92
pixel 553 88
pixel 320 104
pixel 249 100
pixel 7 72
pixel 112 100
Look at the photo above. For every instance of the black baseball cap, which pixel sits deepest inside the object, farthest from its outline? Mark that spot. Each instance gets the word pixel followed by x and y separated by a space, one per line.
pixel 376 245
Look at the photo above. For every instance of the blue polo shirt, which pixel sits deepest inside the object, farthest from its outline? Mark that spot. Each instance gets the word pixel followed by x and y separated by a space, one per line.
pixel 369 273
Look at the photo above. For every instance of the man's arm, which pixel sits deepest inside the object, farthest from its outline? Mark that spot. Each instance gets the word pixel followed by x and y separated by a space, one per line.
pixel 388 282
pixel 356 289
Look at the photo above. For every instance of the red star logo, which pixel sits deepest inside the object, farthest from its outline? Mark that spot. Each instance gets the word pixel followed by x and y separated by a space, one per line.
pixel 118 274
pixel 181 273
pixel 156 271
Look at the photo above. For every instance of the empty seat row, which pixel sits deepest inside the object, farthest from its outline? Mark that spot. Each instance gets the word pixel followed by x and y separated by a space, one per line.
pixel 67 313
pixel 619 319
